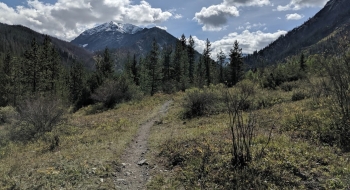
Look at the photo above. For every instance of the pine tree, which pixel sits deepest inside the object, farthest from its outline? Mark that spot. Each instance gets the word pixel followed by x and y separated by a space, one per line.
pixel 200 72
pixel 184 81
pixel 207 62
pixel 302 62
pixel 50 64
pixel 221 61
pixel 104 66
pixel 191 59
pixel 134 71
pixel 5 79
pixel 236 64
pixel 177 62
pixel 154 69
pixel 183 41
pixel 76 79
pixel 32 67
pixel 168 68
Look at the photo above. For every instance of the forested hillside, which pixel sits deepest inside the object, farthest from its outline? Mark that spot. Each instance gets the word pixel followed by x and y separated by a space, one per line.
pixel 17 39
pixel 316 35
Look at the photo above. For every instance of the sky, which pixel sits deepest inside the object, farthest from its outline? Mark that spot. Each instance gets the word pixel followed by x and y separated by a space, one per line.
pixel 253 23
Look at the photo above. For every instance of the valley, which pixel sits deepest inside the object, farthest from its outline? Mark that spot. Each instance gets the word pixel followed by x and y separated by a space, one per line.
pixel 127 107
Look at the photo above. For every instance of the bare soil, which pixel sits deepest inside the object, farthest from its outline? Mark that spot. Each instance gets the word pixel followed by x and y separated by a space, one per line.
pixel 134 172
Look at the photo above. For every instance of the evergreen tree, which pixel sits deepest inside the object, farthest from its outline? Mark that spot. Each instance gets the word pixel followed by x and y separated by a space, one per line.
pixel 154 69
pixel 236 64
pixel 191 59
pixel 168 69
pixel 183 42
pixel 134 71
pixel 104 66
pixel 50 64
pixel 5 79
pixel 302 62
pixel 32 67
pixel 177 62
pixel 200 73
pixel 76 81
pixel 221 61
pixel 184 80
pixel 207 62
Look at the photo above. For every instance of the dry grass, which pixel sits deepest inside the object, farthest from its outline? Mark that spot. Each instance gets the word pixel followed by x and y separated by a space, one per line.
pixel 87 158
pixel 196 152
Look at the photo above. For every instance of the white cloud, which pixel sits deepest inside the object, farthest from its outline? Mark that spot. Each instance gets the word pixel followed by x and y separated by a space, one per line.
pixel 214 18
pixel 239 3
pixel 299 4
pixel 68 18
pixel 248 41
pixel 294 16
pixel 178 16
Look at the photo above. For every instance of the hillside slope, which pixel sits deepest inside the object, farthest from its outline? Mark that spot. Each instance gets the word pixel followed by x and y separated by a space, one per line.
pixel 17 38
pixel 331 21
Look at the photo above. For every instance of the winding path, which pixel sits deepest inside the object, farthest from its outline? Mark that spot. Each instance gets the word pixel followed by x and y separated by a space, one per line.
pixel 135 169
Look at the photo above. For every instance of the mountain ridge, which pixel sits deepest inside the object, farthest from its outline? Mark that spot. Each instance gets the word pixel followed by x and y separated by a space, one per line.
pixel 330 21
pixel 17 38
pixel 125 37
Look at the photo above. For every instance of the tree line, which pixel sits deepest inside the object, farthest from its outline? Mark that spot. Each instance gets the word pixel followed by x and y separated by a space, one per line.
pixel 40 71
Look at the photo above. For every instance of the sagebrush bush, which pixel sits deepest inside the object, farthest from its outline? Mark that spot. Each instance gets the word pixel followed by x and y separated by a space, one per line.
pixel 298 96
pixel 200 102
pixel 36 117
pixel 112 92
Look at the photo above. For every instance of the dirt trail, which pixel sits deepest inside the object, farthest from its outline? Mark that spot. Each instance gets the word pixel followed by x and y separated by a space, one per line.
pixel 135 168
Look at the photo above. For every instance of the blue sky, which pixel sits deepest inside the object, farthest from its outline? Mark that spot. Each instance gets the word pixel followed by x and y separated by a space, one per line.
pixel 254 23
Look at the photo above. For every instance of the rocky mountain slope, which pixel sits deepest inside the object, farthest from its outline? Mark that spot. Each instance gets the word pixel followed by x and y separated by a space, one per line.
pixel 330 22
pixel 124 37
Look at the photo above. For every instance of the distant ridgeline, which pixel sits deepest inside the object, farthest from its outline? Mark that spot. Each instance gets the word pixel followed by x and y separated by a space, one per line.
pixel 317 35
pixel 17 39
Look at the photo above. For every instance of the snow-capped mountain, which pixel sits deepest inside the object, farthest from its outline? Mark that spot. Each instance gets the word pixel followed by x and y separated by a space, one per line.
pixel 114 27
pixel 123 37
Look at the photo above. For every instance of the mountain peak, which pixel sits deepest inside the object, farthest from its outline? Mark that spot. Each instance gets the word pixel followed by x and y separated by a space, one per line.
pixel 114 27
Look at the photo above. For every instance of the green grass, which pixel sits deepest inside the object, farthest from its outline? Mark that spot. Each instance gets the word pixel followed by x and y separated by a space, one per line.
pixel 89 151
pixel 198 152
pixel 188 153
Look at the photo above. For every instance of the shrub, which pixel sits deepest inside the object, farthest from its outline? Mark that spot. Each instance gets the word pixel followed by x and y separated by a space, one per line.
pixel 112 92
pixel 206 101
pixel 36 117
pixel 198 103
pixel 338 69
pixel 7 114
pixel 298 96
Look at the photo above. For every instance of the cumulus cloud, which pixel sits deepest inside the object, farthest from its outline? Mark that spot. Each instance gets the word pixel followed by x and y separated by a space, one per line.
pixel 299 4
pixel 215 17
pixel 239 3
pixel 68 18
pixel 248 41
pixel 294 16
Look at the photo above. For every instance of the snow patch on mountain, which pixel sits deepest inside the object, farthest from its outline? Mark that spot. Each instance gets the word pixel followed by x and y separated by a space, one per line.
pixel 114 27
